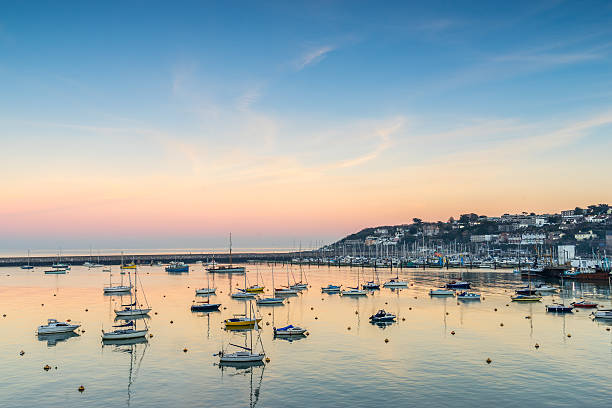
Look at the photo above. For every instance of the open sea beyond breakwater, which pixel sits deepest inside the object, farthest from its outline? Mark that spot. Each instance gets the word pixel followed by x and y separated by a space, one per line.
pixel 436 353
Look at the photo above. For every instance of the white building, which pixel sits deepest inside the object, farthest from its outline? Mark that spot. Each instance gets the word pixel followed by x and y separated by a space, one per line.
pixel 530 239
pixel 566 253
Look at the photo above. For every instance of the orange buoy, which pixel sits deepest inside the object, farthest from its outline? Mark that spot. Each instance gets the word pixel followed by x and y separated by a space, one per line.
pixel 47 367
pixel 537 346
pixel 489 361
pixel 453 332
pixel 386 340
pixel 185 350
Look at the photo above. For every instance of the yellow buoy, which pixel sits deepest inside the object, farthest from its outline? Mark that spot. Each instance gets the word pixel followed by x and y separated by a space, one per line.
pixel 185 350
pixel 150 335
pixel 47 367
pixel 386 340
pixel 569 335
pixel 537 345
pixel 267 359
pixel 489 361
pixel 81 388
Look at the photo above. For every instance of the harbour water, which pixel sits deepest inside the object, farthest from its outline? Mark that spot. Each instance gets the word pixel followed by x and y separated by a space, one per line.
pixel 344 362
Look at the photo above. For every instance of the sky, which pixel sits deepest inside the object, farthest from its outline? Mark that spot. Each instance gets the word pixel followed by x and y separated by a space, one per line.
pixel 149 124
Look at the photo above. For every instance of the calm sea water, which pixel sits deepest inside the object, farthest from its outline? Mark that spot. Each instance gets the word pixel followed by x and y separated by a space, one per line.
pixel 422 364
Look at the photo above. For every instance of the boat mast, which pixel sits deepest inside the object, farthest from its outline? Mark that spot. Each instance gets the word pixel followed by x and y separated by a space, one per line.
pixel 230 254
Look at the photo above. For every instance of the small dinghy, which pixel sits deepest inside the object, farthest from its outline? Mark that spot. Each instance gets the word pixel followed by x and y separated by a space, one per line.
pixel 331 288
pixel 54 327
pixel 559 308
pixel 382 316
pixel 458 285
pixel 441 292
pixel 584 304
pixel 468 296
pixel 290 330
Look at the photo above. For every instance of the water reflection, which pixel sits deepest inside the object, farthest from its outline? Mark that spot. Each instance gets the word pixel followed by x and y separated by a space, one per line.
pixel 53 339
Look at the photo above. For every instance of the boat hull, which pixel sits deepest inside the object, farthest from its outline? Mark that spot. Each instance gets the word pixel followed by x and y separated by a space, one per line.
pixel 241 358
pixel 117 289
pixel 207 307
pixel 205 291
pixel 133 312
pixel 241 323
pixel 270 301
pixel 124 334
pixel 57 329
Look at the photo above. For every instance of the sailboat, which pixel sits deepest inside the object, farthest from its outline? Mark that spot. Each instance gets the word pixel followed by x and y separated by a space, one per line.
pixel 205 306
pixel 59 264
pixel 354 291
pixel 246 355
pixel 132 308
pixel 242 321
pixel 373 284
pixel 227 268
pixel 529 297
pixel 110 288
pixel 331 288
pixel 560 307
pixel 125 331
pixel 301 285
pixel 28 266
pixel 243 293
pixel 286 290
pixel 271 300
pixel 207 290
pixel 256 288
pixel 395 282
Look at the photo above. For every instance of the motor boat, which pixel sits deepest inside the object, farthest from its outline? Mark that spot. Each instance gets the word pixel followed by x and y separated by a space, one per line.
pixel 458 285
pixel 382 316
pixel 468 296
pixel 177 267
pixel 53 326
pixel 603 314
pixel 289 331
pixel 331 288
pixel 441 292
pixel 584 304
pixel 559 308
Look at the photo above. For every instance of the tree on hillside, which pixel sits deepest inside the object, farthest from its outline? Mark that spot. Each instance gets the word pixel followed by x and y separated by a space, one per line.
pixel 417 221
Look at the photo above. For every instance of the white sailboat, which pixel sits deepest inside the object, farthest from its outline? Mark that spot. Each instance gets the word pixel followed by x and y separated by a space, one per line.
pixel 133 309
pixel 242 293
pixel 354 291
pixel 121 288
pixel 207 290
pixel 271 300
pixel 246 354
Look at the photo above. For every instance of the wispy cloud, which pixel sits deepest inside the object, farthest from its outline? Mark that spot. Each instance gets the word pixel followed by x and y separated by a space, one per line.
pixel 313 56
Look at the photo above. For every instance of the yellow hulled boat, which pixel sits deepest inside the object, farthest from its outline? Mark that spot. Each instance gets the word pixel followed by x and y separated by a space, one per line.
pixel 240 321
pixel 255 289
pixel 129 266
pixel 526 298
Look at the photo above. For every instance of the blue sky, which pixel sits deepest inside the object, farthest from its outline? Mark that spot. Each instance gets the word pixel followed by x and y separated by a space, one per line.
pixel 309 105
